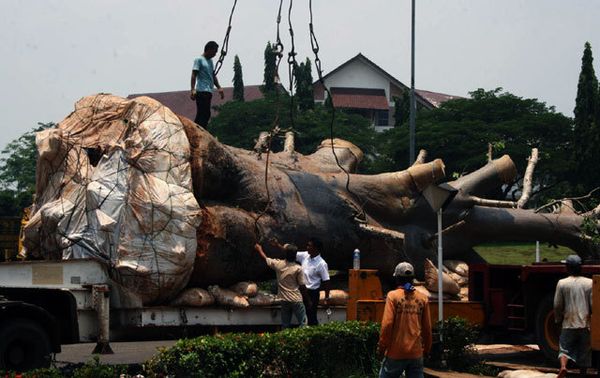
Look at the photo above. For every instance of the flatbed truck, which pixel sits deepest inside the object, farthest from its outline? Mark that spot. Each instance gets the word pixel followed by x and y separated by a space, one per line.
pixel 44 304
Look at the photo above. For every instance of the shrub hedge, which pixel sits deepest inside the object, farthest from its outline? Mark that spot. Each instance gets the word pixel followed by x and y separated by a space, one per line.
pixel 329 350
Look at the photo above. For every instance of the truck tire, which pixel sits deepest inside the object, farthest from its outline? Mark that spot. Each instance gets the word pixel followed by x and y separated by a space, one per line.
pixel 24 345
pixel 546 330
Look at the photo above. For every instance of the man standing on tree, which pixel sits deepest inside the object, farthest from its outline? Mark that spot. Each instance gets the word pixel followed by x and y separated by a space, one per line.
pixel 202 83
pixel 572 308
pixel 405 328
pixel 290 284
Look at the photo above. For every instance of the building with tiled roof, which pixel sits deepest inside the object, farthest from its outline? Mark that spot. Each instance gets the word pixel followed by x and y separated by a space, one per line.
pixel 362 87
pixel 358 86
pixel 180 102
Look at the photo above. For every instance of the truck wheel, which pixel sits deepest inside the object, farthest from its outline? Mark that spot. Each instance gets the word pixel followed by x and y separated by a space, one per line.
pixel 24 345
pixel 546 329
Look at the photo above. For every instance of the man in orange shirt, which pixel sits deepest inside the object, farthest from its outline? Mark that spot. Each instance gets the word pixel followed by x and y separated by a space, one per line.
pixel 405 328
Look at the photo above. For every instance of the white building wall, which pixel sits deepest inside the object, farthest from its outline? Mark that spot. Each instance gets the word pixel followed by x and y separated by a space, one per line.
pixel 358 75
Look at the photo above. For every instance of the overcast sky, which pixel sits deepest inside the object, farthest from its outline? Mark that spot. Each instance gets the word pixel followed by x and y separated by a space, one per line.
pixel 57 51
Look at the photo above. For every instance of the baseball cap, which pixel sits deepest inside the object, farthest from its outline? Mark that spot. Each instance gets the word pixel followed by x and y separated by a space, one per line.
pixel 404 269
pixel 573 260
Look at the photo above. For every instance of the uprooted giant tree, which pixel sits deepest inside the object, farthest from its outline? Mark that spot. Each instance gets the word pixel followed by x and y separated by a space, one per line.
pixel 167 206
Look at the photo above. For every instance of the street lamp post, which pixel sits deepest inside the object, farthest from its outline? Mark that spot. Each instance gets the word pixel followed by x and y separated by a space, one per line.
pixel 439 197
pixel 413 105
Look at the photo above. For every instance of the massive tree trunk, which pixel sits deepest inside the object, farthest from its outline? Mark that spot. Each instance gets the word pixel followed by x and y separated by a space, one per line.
pixel 242 197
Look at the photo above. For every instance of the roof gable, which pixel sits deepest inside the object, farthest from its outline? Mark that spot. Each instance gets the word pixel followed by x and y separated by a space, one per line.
pixel 369 63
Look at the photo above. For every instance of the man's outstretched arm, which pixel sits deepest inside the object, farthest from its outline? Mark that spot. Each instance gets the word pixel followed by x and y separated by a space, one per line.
pixel 260 251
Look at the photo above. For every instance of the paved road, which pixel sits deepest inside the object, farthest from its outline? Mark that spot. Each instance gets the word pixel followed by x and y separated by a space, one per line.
pixel 125 352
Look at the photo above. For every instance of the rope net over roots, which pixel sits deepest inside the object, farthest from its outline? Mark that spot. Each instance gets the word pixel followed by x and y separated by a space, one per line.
pixel 114 184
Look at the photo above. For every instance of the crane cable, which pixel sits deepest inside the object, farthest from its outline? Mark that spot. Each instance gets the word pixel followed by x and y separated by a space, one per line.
pixel 278 49
pixel 225 44
pixel 292 64
pixel 314 43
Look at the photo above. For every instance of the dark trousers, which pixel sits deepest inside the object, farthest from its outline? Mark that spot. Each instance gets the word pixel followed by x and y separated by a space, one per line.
pixel 203 100
pixel 311 311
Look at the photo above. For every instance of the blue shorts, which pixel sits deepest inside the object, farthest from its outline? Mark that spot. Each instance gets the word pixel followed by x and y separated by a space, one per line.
pixel 575 344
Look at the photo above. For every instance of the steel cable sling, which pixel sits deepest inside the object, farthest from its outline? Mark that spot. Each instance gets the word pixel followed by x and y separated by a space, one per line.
pixel 314 43
pixel 278 49
pixel 225 44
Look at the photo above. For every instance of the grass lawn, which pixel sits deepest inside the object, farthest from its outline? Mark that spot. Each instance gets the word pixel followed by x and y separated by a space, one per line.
pixel 520 253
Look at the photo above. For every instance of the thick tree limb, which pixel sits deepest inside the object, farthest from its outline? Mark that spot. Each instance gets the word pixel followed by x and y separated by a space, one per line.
pixel 485 224
pixel 593 213
pixel 421 157
pixel 566 207
pixel 262 143
pixel 288 145
pixel 528 179
pixel 492 175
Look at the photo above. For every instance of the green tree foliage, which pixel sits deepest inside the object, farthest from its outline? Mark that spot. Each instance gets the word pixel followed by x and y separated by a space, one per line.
pixel 238 81
pixel 304 87
pixel 17 172
pixel 460 130
pixel 586 135
pixel 401 108
pixel 270 55
pixel 239 124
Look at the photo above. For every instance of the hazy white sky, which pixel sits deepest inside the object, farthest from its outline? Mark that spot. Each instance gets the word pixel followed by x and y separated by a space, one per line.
pixel 57 51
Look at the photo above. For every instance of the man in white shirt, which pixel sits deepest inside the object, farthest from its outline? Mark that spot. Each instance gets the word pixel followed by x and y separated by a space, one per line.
pixel 316 277
pixel 572 308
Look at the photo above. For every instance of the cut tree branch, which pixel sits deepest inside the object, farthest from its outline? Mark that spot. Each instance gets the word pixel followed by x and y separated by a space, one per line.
pixel 421 158
pixel 289 144
pixel 492 203
pixel 593 213
pixel 381 232
pixel 528 179
pixel 262 143
pixel 550 204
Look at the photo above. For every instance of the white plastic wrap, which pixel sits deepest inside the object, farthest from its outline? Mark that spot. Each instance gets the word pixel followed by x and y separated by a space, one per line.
pixel 114 183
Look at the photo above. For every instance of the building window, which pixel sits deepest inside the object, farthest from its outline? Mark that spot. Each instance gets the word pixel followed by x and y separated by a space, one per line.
pixel 383 118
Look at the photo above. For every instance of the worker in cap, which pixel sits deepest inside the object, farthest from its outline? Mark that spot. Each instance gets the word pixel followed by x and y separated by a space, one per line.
pixel 572 309
pixel 405 328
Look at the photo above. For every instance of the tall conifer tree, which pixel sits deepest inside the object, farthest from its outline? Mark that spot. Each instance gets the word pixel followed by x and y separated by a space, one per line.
pixel 304 88
pixel 270 68
pixel 586 132
pixel 238 81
